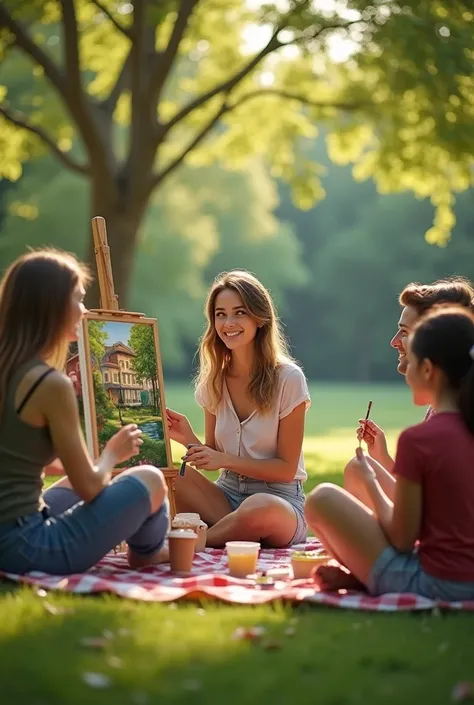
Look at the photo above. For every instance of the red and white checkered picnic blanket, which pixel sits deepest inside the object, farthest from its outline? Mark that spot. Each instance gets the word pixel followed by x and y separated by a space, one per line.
pixel 210 579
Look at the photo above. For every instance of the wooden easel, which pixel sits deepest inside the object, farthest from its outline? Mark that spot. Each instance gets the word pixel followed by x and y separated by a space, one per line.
pixel 109 305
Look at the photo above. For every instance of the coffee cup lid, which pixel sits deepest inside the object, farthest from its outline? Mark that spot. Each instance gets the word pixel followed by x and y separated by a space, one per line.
pixel 182 534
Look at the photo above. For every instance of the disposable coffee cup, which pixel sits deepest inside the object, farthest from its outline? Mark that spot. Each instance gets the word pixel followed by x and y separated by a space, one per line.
pixel 192 520
pixel 242 557
pixel 181 544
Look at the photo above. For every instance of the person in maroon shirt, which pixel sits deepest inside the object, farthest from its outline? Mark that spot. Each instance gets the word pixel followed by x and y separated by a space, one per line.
pixel 423 541
pixel 416 300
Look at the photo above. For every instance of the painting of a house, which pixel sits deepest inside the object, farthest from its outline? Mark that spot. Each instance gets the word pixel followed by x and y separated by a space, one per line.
pixel 124 373
pixel 120 379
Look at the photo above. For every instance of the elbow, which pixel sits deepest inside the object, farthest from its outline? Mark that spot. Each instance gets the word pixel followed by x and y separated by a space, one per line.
pixel 89 491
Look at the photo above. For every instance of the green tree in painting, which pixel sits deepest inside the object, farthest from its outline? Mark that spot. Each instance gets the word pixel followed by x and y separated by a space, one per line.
pixel 126 92
pixel 97 341
pixel 144 363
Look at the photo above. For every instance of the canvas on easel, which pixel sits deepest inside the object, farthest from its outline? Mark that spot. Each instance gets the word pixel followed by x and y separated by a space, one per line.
pixel 117 373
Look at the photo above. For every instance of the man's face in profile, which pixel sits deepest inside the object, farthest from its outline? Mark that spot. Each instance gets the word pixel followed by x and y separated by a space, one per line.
pixel 408 318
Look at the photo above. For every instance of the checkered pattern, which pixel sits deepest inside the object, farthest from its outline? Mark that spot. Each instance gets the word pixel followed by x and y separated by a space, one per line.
pixel 158 584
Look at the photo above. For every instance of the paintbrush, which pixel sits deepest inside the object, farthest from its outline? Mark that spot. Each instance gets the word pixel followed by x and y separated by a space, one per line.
pixel 365 423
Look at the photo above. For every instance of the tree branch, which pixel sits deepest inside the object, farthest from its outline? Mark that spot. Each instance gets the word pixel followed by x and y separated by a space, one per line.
pixel 158 178
pixel 164 62
pixel 230 83
pixel 20 121
pixel 71 46
pixel 100 6
pixel 225 86
pixel 288 95
pixel 227 108
pixel 24 42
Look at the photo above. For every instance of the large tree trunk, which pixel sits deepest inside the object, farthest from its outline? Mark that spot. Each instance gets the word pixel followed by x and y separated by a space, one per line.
pixel 123 222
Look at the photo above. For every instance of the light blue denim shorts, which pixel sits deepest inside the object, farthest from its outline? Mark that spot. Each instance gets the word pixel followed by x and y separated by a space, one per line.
pixel 238 487
pixel 70 536
pixel 402 572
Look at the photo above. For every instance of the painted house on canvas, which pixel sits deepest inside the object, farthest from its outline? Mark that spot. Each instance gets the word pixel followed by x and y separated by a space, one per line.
pixel 120 380
pixel 74 373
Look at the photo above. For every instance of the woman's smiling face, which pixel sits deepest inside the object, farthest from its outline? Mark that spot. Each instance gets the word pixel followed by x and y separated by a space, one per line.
pixel 234 326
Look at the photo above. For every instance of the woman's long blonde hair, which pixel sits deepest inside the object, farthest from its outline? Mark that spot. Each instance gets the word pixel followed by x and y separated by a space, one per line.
pixel 35 304
pixel 271 347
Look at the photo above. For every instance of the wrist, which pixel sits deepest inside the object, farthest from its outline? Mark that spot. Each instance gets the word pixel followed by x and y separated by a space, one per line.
pixel 228 461
pixel 107 461
pixel 192 440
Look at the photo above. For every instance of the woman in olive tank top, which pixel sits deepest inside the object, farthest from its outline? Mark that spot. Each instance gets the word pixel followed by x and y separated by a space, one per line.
pixel 69 527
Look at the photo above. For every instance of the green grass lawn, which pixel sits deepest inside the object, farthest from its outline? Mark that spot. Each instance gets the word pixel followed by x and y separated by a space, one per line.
pixel 186 653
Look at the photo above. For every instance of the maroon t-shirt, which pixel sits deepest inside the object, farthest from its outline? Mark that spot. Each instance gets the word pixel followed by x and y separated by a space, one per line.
pixel 439 455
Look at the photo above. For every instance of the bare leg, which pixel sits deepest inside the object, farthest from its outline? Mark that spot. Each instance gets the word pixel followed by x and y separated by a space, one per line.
pixel 347 529
pixel 195 493
pixel 353 486
pixel 261 517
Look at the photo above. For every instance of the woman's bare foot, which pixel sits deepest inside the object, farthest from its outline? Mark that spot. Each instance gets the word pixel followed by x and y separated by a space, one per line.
pixel 136 561
pixel 331 578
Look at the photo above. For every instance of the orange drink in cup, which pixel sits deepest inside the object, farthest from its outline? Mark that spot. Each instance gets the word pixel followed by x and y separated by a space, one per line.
pixel 304 562
pixel 242 557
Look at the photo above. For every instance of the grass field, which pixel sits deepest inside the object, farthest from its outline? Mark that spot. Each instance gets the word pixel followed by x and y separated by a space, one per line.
pixel 186 653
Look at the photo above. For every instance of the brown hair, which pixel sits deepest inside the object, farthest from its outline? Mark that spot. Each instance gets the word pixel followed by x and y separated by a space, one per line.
pixel 446 337
pixel 452 290
pixel 270 343
pixel 35 300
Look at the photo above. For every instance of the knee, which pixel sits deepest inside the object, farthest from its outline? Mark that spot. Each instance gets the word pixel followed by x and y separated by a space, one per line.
pixel 351 473
pixel 319 500
pixel 257 511
pixel 155 483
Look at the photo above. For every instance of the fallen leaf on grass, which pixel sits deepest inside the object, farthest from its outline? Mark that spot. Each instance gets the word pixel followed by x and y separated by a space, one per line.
pixel 123 631
pixel 462 692
pixel 55 609
pixel 115 662
pixel 96 680
pixel 271 645
pixel 249 633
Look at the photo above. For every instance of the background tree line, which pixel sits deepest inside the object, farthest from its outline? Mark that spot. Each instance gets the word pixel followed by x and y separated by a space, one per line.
pixel 335 270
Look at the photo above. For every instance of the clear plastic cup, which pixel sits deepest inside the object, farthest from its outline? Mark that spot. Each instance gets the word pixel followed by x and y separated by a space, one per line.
pixel 242 557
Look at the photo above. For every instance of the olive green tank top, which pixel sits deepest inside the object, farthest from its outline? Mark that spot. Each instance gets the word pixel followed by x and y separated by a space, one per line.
pixel 24 452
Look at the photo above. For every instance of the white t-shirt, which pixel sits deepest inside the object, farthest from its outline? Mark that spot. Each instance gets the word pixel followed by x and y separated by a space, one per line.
pixel 257 436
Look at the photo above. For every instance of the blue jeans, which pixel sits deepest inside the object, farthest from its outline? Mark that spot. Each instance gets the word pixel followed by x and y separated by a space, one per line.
pixel 402 572
pixel 70 535
pixel 238 487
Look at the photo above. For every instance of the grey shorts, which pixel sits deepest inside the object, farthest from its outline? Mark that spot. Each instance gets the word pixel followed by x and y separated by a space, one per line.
pixel 402 572
pixel 238 487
